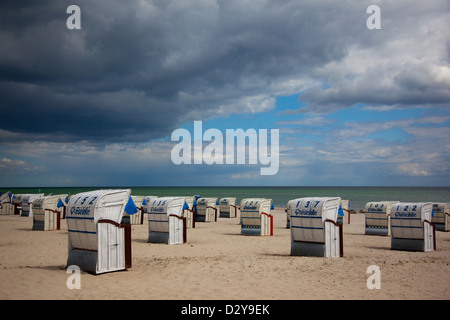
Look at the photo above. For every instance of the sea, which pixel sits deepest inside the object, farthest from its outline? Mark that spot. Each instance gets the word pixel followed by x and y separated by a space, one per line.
pixel 357 196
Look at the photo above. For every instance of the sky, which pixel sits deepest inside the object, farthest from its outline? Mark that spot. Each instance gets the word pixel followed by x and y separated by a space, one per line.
pixel 97 106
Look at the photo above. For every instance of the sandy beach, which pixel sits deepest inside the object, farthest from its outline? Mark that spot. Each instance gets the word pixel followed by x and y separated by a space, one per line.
pixel 218 263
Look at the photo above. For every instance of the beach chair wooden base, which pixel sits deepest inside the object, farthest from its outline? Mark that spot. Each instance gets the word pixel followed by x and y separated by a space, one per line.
pixel 251 230
pixel 158 237
pixel 84 259
pixel 38 225
pixel 200 218
pixel 407 244
pixel 125 220
pixel 440 227
pixel 307 249
pixel 225 214
pixel 377 231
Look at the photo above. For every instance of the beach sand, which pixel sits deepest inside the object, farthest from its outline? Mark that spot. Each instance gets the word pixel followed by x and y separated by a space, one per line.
pixel 218 263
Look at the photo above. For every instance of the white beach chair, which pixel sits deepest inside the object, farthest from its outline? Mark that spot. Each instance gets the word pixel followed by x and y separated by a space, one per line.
pixel 411 227
pixel 97 242
pixel 441 216
pixel 377 217
pixel 189 212
pixel 228 208
pixel 6 204
pixel 27 201
pixel 48 212
pixel 166 223
pixel 207 210
pixel 256 218
pixel 314 227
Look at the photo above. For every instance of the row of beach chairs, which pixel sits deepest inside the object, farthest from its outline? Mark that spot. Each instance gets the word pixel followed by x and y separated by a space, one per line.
pixel 99 222
pixel 412 226
pixel 100 241
pixel 315 230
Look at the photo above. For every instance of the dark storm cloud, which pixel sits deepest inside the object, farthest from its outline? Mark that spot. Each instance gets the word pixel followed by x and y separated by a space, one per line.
pixel 137 70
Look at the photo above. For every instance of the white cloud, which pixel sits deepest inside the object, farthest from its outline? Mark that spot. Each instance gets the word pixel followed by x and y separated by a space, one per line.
pixel 403 64
pixel 243 176
pixel 412 169
pixel 313 121
pixel 349 149
pixel 17 167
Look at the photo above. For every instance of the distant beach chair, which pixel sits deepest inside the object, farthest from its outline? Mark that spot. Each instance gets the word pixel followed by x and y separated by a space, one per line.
pixel 441 216
pixel 48 212
pixel 6 204
pixel 27 200
pixel 314 227
pixel 411 227
pixel 256 219
pixel 189 212
pixel 344 219
pixel 17 202
pixel 207 210
pixel 138 216
pixel 98 242
pixel 377 217
pixel 166 223
pixel 228 208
